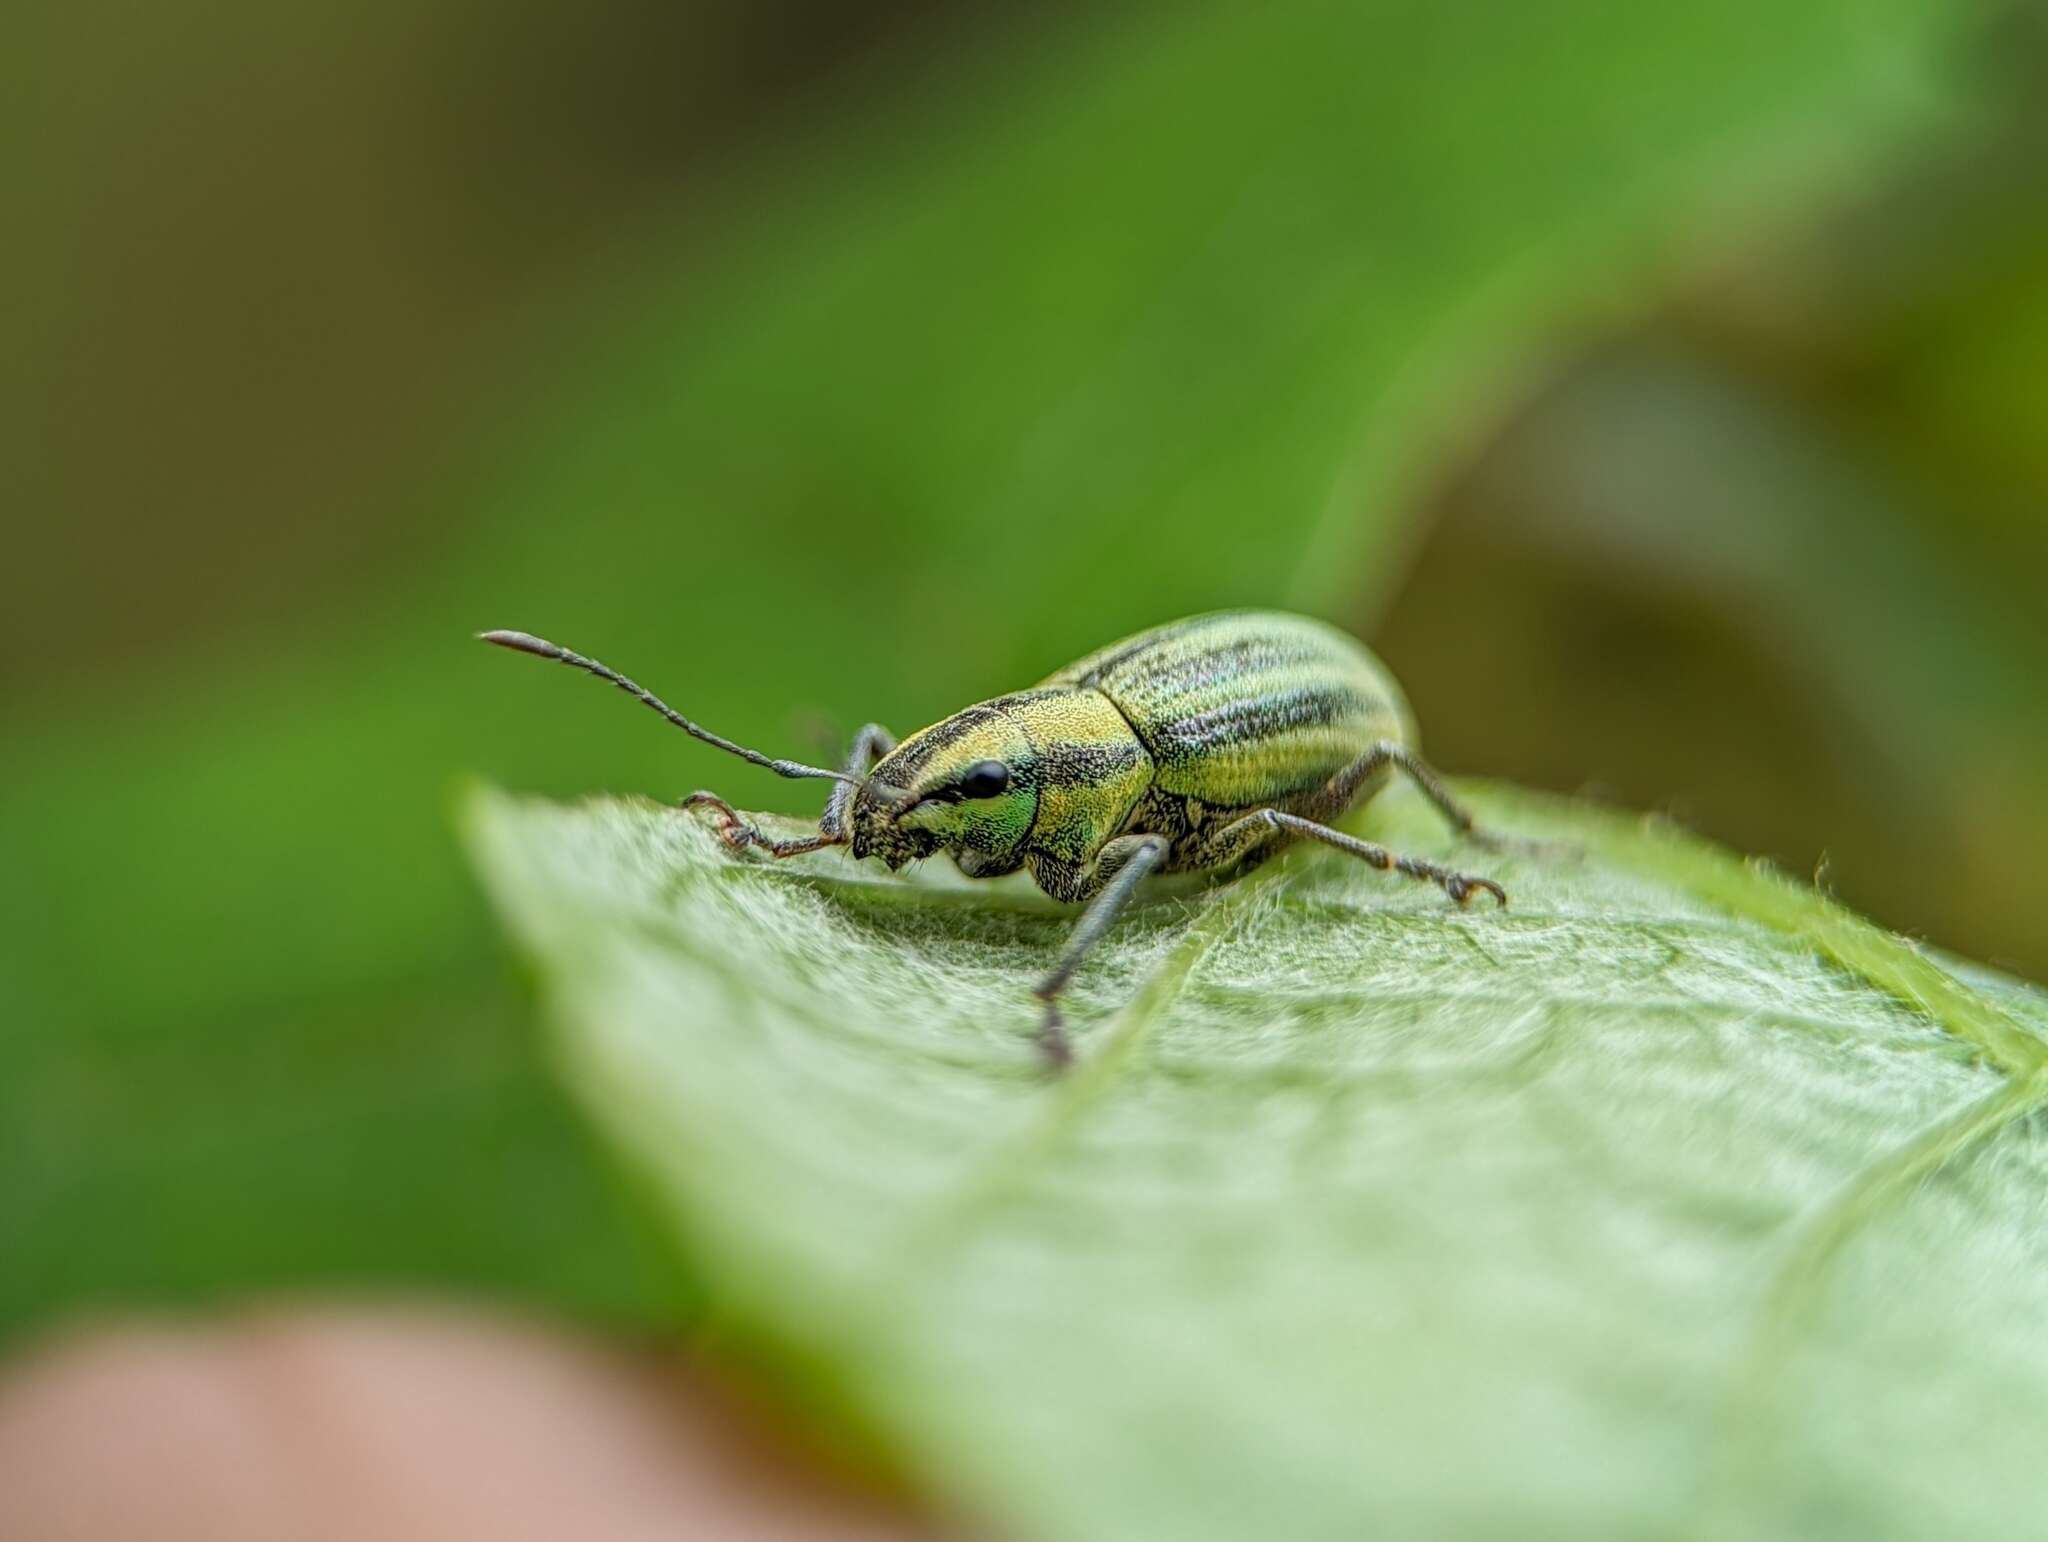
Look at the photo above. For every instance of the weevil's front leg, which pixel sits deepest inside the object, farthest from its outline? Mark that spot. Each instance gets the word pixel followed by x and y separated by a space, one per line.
pixel 739 835
pixel 1117 871
pixel 1239 840
pixel 869 745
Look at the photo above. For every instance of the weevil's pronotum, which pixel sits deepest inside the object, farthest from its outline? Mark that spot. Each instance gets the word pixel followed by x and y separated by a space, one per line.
pixel 1201 746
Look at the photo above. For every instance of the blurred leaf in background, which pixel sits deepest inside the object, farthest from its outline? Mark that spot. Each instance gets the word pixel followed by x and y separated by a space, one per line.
pixel 885 384
pixel 1776 556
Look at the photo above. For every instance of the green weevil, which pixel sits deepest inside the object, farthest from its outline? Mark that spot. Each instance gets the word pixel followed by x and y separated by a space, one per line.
pixel 1201 746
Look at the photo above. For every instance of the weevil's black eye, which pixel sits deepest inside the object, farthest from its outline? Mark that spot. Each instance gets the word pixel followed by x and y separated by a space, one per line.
pixel 985 779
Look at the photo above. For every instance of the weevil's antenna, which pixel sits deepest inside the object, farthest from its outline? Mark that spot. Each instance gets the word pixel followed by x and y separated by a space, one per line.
pixel 525 642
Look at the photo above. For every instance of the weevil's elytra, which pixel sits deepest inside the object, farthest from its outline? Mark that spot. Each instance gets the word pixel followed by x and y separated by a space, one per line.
pixel 1204 745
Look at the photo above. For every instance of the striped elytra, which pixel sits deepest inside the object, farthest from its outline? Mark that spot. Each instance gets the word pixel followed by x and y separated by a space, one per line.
pixel 1242 708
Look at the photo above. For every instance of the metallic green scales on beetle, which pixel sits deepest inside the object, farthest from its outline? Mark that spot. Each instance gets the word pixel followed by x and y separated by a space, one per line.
pixel 1204 745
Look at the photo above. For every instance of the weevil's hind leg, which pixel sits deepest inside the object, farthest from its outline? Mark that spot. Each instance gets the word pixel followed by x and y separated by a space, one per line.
pixel 1344 786
pixel 1419 771
pixel 1241 840
pixel 869 745
pixel 1119 868
pixel 739 835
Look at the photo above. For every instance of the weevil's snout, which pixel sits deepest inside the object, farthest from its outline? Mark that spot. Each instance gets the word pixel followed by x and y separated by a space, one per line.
pixel 874 830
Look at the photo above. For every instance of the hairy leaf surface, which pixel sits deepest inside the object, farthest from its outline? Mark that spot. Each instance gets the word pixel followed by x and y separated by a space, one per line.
pixel 1671 1201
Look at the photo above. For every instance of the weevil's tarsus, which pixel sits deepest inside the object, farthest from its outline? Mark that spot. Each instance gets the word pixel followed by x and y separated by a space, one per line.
pixel 540 647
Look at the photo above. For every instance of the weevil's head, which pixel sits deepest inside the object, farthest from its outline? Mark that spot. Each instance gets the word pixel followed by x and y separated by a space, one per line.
pixel 967 785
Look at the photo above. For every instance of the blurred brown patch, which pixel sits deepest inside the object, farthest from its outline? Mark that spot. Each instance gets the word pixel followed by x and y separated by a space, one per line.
pixel 400 1424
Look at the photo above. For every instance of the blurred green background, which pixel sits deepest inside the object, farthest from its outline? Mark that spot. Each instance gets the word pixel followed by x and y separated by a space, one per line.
pixel 1666 395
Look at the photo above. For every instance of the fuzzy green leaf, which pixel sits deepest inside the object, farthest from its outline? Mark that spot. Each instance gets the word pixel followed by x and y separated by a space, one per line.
pixel 1671 1201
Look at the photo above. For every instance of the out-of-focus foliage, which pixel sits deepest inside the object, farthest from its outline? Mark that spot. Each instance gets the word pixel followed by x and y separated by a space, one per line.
pixel 1588 1217
pixel 997 345
pixel 1777 557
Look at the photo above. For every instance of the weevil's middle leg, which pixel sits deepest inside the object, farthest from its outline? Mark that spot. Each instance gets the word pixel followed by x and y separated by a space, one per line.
pixel 1243 837
pixel 1119 867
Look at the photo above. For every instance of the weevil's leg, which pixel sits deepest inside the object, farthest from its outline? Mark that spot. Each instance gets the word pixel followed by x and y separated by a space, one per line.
pixel 738 834
pixel 1241 839
pixel 1387 753
pixel 869 745
pixel 1119 867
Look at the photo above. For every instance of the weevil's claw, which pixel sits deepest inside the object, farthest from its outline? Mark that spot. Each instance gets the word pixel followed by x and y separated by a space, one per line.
pixel 737 834
pixel 1462 887
pixel 1053 1043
